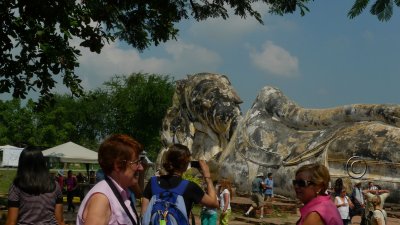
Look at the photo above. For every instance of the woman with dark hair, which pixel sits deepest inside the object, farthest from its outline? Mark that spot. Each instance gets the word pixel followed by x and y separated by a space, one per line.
pixel 34 196
pixel 338 187
pixel 310 185
pixel 108 202
pixel 175 162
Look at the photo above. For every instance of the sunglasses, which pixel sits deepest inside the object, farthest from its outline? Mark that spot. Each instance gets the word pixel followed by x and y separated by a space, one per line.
pixel 302 183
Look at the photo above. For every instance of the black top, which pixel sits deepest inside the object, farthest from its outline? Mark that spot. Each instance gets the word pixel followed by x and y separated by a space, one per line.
pixel 192 195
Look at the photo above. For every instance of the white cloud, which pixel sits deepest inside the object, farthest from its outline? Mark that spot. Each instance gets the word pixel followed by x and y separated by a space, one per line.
pixel 189 58
pixel 182 59
pixel 97 68
pixel 276 60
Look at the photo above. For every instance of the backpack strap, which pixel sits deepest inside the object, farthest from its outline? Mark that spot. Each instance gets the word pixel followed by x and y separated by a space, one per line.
pixel 383 215
pixel 157 189
pixel 178 190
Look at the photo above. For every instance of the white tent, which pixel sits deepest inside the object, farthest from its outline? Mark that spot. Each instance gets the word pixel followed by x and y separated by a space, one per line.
pixel 71 153
pixel 10 155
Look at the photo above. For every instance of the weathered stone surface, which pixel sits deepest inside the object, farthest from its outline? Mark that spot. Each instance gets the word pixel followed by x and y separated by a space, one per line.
pixel 276 135
pixel 203 116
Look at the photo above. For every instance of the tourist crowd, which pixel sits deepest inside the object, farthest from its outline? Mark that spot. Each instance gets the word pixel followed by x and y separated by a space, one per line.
pixel 35 197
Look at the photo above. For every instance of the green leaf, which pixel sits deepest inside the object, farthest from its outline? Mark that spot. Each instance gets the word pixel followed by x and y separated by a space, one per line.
pixel 357 8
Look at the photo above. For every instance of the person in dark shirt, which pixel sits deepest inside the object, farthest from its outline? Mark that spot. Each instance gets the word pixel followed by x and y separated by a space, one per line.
pixel 80 178
pixel 72 185
pixel 175 163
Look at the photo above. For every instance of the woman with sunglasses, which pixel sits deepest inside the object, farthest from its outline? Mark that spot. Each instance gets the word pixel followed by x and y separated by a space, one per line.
pixel 108 202
pixel 310 184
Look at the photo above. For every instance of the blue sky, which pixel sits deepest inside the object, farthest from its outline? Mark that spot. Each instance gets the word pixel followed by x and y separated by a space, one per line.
pixel 321 60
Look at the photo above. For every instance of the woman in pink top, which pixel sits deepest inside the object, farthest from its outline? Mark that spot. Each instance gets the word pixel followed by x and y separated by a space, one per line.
pixel 108 202
pixel 310 185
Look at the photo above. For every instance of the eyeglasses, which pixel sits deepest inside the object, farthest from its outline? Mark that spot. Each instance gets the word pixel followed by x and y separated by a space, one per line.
pixel 136 162
pixel 302 183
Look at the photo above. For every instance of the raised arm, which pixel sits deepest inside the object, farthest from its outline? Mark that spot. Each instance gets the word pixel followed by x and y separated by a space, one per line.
pixel 210 197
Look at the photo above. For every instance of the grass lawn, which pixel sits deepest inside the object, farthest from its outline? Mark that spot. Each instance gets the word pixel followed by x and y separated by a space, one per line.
pixel 6 176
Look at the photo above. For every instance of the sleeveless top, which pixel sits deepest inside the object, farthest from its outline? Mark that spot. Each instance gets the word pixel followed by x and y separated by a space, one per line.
pixel 379 215
pixel 343 210
pixel 326 209
pixel 118 214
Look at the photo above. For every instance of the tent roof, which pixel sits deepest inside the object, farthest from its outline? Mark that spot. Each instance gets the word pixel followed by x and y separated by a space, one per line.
pixel 72 153
pixel 10 147
pixel 10 155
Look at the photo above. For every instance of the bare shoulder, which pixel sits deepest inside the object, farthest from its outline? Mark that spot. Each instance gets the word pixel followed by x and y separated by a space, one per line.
pixel 313 218
pixel 97 209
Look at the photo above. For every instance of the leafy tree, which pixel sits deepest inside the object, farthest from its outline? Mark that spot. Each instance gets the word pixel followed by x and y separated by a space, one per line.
pixel 137 104
pixel 16 124
pixel 35 35
pixel 91 119
pixel 55 124
pixel 134 105
pixel 382 9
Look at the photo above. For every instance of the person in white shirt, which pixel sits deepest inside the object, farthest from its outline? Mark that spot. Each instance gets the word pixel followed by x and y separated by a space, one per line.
pixel 343 203
pixel 225 196
pixel 371 186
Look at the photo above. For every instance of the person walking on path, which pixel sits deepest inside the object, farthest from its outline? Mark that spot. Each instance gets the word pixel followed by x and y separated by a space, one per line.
pixel 257 198
pixel 34 197
pixel 225 197
pixel 269 188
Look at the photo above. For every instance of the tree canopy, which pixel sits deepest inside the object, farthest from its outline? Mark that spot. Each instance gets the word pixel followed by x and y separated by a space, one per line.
pixel 133 105
pixel 36 35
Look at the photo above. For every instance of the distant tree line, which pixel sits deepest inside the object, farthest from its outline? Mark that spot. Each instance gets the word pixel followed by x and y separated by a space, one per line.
pixel 134 105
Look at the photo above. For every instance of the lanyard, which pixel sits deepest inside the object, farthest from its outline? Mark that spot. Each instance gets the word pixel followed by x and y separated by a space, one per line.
pixel 119 197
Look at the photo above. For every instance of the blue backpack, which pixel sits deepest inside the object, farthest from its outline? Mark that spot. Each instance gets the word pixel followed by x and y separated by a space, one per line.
pixel 166 206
